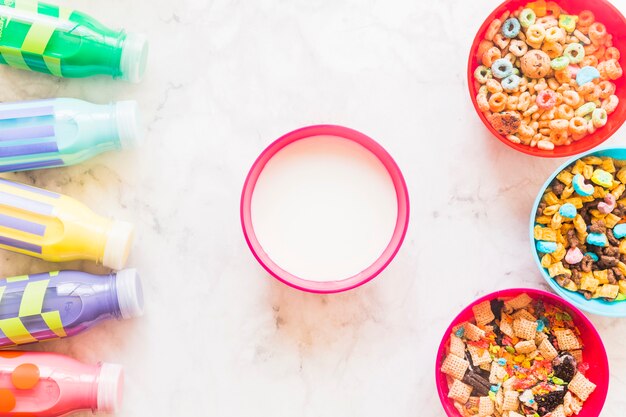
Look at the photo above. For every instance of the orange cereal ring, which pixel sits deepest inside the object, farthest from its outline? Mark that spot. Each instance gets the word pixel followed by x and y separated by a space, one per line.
pixel 589 61
pixel 560 137
pixel 25 376
pixel 586 18
pixel 518 48
pixel 483 102
pixel 597 33
pixel 590 49
pixel 578 125
pixel 600 52
pixel 607 89
pixel 493 29
pixel 491 55
pixel 612 53
pixel 613 69
pixel 610 104
pixel 571 98
pixel 553 8
pixel 555 34
pixel 594 95
pixel 494 86
pixel 585 89
pixel 553 49
pixel 559 125
pixel 535 34
pixel 524 101
pixel 564 112
pixel 563 76
pixel 525 131
pixel 483 47
pixel 501 41
pixel 497 102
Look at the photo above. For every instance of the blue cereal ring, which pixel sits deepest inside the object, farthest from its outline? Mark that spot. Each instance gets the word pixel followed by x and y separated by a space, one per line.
pixel 501 68
pixel 511 28
pixel 619 231
pixel 575 52
pixel 545 247
pixel 583 189
pixel 586 75
pixel 592 256
pixel 527 18
pixel 568 210
pixel 597 239
pixel 511 82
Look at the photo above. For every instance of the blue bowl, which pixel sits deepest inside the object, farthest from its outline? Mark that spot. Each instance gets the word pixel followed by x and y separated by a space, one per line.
pixel 597 306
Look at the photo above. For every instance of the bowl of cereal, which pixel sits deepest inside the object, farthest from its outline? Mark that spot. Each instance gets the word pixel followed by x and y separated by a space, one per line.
pixel 545 76
pixel 578 231
pixel 522 352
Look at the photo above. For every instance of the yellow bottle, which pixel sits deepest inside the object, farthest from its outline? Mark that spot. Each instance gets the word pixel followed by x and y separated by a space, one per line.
pixel 58 228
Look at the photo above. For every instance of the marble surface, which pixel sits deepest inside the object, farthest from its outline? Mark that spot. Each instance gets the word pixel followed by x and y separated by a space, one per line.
pixel 225 78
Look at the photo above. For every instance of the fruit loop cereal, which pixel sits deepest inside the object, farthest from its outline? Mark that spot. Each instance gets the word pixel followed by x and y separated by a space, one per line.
pixel 580 229
pixel 546 76
pixel 519 357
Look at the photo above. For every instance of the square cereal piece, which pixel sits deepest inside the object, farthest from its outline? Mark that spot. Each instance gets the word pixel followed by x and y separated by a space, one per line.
pixel 571 404
pixel 577 354
pixel 606 291
pixel 588 282
pixel 460 392
pixel 540 337
pixel 621 175
pixel 454 366
pixel 483 313
pixel 525 347
pixel 610 220
pixel 558 269
pixel 521 300
pixel 511 401
pixel 608 165
pixel 480 356
pixel 499 400
pixel 508 384
pixel 523 314
pixel 558 412
pixel 565 177
pixel 547 350
pixel 602 276
pixel 497 373
pixel 457 346
pixel 525 329
pixel 581 386
pixel 485 406
pixel 485 366
pixel 506 325
pixel 514 414
pixel 592 160
pixel 551 199
pixel 549 235
pixel 567 340
pixel 473 332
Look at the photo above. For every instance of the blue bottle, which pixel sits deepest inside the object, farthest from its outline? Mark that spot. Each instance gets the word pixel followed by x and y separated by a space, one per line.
pixel 60 132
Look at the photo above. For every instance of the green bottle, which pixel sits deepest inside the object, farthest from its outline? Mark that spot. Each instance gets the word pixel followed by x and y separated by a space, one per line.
pixel 66 43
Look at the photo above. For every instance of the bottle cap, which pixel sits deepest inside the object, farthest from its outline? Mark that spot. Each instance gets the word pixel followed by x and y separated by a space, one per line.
pixel 129 293
pixel 119 239
pixel 134 57
pixel 110 388
pixel 128 120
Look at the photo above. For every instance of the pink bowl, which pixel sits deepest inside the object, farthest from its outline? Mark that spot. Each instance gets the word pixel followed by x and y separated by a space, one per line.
pixel 392 247
pixel 598 371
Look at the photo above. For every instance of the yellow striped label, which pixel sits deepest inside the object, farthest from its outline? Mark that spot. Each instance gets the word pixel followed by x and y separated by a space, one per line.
pixel 53 320
pixel 13 57
pixel 37 38
pixel 17 278
pixel 53 273
pixel 53 64
pixel 29 5
pixel 32 300
pixel 14 329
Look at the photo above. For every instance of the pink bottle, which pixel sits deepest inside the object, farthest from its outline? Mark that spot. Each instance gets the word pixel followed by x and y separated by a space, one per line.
pixel 48 385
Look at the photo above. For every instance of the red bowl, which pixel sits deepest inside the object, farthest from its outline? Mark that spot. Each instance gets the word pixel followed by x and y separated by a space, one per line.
pixel 615 24
pixel 598 371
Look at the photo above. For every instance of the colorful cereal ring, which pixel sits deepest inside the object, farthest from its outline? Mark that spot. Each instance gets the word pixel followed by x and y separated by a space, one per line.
pixel 511 82
pixel 559 63
pixel 546 99
pixel 501 68
pixel 482 74
pixel 527 17
pixel 575 52
pixel 511 28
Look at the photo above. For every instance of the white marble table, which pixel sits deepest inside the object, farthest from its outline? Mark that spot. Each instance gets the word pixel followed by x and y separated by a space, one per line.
pixel 222 338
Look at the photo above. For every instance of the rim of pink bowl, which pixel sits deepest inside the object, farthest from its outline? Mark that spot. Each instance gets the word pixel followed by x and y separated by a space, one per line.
pixel 375 268
pixel 600 358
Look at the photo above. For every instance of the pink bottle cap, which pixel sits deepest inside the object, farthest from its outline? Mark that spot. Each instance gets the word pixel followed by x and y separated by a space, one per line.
pixel 331 152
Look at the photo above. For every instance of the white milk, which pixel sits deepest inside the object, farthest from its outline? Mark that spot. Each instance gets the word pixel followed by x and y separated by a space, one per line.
pixel 324 208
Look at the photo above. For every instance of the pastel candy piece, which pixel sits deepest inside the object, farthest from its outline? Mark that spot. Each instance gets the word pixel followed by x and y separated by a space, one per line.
pixel 619 231
pixel 546 99
pixel 545 247
pixel 511 28
pixel 568 22
pixel 583 189
pixel 527 18
pixel 586 109
pixel 501 68
pixel 586 75
pixel 597 239
pixel 573 256
pixel 559 63
pixel 568 210
pixel 592 256
pixel 602 178
pixel 575 52
pixel 608 205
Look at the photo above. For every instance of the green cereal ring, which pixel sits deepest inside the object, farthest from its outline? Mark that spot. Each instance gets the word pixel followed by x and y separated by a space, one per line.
pixel 559 63
pixel 585 109
pixel 599 117
pixel 575 52
pixel 482 74
pixel 527 17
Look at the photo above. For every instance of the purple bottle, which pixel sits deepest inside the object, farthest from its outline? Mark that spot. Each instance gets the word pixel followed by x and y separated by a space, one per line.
pixel 60 304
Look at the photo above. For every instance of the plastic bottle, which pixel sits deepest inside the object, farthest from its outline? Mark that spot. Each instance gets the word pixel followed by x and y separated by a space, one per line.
pixel 49 385
pixel 62 304
pixel 58 228
pixel 66 43
pixel 58 132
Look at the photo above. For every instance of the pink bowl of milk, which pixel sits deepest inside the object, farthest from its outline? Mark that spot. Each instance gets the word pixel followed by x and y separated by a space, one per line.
pixel 324 209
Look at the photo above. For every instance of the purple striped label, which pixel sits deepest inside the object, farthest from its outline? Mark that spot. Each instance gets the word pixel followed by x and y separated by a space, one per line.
pixel 29 188
pixel 25 204
pixel 18 244
pixel 26 112
pixel 22 225
pixel 27 132
pixel 30 165
pixel 28 149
